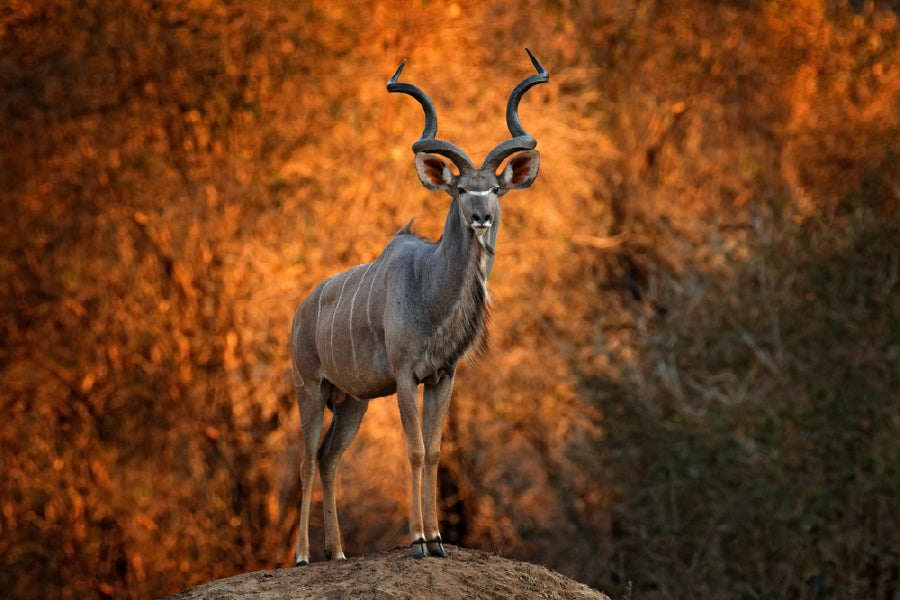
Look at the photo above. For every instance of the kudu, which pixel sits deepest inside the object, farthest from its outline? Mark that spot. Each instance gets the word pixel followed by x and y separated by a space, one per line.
pixel 405 319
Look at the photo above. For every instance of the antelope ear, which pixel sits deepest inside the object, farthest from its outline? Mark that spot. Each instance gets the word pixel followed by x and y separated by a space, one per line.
pixel 434 172
pixel 521 170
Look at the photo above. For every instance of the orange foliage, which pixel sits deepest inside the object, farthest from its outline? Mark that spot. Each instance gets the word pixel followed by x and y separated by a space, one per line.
pixel 178 175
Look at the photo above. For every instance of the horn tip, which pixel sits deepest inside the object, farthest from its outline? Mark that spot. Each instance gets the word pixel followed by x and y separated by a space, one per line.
pixel 397 74
pixel 535 62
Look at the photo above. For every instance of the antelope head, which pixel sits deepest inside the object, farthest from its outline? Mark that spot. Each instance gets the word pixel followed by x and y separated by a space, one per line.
pixel 476 189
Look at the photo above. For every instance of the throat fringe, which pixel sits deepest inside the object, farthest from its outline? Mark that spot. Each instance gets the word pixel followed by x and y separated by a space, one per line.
pixel 465 328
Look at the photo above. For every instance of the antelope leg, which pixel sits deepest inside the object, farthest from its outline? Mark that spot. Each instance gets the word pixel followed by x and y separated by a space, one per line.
pixel 435 404
pixel 311 401
pixel 348 414
pixel 408 401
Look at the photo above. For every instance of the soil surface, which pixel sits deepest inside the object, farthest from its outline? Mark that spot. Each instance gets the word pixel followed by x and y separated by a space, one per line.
pixel 466 574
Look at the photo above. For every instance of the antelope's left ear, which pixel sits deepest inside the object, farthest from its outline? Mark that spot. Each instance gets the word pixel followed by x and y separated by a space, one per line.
pixel 521 170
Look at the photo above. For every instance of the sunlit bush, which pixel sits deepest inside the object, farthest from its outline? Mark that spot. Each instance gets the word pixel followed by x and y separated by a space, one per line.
pixel 695 339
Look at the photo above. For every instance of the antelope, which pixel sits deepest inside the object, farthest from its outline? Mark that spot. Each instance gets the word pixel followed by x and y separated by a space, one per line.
pixel 405 319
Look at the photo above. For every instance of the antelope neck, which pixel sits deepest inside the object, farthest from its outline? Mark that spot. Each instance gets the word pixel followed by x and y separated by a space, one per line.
pixel 456 301
pixel 457 257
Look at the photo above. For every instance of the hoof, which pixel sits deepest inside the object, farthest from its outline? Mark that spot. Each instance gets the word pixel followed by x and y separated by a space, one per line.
pixel 300 561
pixel 436 548
pixel 419 550
pixel 338 556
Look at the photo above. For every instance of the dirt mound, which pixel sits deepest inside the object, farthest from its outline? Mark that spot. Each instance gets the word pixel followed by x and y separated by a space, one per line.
pixel 394 574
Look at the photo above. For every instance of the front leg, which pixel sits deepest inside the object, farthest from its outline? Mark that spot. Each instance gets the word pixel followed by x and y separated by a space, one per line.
pixel 408 401
pixel 435 404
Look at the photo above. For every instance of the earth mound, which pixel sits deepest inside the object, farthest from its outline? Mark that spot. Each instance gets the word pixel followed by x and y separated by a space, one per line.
pixel 469 574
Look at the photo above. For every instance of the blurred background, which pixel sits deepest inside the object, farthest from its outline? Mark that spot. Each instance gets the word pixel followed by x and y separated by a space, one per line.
pixel 694 375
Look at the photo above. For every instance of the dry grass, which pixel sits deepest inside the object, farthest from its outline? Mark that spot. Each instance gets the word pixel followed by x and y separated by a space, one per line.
pixel 696 334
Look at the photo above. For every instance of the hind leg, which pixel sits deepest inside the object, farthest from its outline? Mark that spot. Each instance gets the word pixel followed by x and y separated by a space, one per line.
pixel 348 414
pixel 311 402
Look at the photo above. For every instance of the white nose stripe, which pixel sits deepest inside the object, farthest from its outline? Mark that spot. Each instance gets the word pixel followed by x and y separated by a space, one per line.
pixel 484 193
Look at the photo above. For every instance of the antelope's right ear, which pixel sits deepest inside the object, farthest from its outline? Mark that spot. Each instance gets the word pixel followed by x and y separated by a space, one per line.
pixel 434 172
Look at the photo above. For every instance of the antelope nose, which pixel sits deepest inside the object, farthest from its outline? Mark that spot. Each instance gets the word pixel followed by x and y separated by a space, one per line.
pixel 480 221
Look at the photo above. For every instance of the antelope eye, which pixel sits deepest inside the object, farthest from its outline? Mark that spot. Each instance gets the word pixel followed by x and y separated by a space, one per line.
pixel 461 190
pixel 495 190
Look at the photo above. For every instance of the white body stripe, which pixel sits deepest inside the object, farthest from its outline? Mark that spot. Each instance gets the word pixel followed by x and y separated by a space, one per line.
pixel 333 315
pixel 369 300
pixel 350 320
pixel 319 307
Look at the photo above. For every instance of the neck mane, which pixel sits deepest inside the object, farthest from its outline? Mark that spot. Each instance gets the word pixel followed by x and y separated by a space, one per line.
pixel 461 298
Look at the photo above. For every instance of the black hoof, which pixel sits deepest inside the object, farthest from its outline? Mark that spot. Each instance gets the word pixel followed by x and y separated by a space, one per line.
pixel 419 550
pixel 436 548
pixel 300 563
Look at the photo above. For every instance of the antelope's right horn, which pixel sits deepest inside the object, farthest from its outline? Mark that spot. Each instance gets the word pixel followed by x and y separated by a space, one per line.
pixel 427 142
